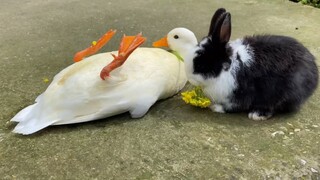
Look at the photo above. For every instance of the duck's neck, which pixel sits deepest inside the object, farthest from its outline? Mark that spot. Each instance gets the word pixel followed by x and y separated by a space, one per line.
pixel 188 54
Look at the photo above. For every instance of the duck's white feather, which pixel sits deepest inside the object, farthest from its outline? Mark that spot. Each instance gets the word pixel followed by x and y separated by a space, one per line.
pixel 77 94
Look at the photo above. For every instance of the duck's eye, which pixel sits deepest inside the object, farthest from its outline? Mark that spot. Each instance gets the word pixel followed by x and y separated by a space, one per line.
pixel 176 36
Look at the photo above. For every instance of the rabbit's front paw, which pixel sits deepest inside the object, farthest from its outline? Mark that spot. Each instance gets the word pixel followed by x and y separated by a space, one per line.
pixel 217 108
pixel 259 115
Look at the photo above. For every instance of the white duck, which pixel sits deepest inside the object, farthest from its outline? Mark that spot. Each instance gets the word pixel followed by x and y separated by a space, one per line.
pixel 77 93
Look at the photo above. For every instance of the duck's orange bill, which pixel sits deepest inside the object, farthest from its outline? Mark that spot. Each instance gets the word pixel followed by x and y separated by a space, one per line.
pixel 95 47
pixel 127 46
pixel 163 42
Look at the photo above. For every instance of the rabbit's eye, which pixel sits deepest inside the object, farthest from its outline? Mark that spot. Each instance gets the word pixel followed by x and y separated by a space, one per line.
pixel 176 36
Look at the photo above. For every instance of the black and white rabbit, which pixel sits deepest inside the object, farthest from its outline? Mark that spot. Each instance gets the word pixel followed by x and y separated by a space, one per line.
pixel 261 75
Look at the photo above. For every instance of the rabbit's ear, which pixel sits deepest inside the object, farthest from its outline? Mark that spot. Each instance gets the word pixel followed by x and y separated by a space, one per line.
pixel 214 20
pixel 222 31
pixel 225 30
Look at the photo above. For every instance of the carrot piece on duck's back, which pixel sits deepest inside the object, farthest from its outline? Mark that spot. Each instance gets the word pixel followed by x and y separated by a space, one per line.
pixel 96 46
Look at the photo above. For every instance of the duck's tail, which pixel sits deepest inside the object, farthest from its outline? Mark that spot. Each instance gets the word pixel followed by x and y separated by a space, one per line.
pixel 28 122
pixel 21 116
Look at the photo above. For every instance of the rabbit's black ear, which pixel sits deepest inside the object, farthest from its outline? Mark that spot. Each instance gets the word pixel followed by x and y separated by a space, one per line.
pixel 225 30
pixel 222 32
pixel 214 20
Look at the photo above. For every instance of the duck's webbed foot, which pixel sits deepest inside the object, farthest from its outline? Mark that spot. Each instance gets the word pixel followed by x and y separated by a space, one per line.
pixel 95 46
pixel 127 46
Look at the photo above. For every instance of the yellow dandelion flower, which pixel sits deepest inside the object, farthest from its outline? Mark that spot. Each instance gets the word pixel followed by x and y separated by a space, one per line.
pixel 196 97
pixel 186 99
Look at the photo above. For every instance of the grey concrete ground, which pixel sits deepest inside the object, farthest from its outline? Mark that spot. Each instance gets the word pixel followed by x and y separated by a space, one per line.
pixel 173 141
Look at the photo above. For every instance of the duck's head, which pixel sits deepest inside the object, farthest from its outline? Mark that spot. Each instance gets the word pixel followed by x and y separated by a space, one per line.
pixel 181 40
